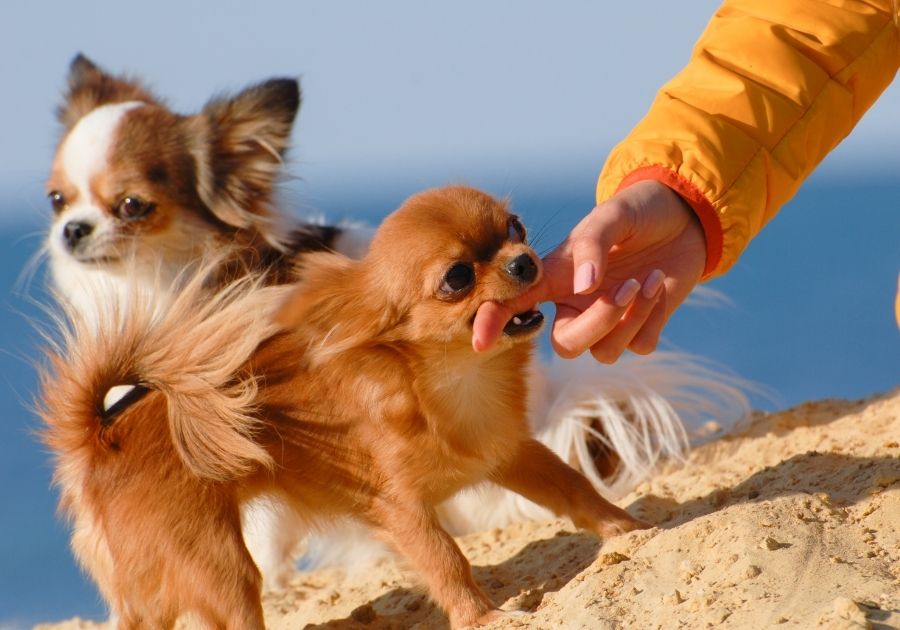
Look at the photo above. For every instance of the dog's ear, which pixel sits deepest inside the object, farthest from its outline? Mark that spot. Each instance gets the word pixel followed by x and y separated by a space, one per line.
pixel 338 306
pixel 238 145
pixel 90 87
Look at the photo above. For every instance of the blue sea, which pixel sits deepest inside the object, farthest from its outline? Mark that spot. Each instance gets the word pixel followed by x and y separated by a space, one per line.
pixel 810 316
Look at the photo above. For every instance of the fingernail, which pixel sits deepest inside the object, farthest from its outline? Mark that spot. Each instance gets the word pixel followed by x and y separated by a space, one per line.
pixel 585 277
pixel 627 292
pixel 653 283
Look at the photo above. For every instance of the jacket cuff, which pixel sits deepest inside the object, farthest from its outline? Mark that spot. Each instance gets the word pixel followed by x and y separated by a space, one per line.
pixel 702 207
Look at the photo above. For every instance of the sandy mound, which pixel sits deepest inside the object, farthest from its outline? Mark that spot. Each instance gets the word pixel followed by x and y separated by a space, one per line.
pixel 792 522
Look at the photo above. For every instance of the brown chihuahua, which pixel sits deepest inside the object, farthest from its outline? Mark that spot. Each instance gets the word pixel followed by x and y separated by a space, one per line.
pixel 370 404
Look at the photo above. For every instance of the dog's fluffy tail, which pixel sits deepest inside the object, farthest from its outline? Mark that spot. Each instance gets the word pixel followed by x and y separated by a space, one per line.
pixel 615 423
pixel 640 411
pixel 185 341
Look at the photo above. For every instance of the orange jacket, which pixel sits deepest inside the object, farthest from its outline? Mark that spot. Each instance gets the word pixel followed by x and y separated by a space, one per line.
pixel 772 86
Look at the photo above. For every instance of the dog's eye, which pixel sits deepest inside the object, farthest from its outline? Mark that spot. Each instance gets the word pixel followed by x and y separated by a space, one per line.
pixel 131 208
pixel 118 398
pixel 516 231
pixel 57 201
pixel 460 277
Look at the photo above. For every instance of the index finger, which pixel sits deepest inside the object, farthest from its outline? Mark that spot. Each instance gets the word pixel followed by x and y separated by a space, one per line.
pixel 581 324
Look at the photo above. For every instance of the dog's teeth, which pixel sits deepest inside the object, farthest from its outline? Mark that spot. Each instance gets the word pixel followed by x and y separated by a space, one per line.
pixel 517 321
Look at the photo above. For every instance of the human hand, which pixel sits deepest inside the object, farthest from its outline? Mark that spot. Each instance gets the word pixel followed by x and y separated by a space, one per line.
pixel 616 279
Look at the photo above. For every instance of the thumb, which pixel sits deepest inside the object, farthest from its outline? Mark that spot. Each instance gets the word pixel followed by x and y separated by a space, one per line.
pixel 589 265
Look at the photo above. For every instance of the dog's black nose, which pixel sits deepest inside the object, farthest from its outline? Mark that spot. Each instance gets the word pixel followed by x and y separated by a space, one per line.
pixel 74 231
pixel 522 268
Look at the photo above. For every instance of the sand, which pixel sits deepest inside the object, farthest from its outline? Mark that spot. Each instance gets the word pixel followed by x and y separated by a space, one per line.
pixel 791 522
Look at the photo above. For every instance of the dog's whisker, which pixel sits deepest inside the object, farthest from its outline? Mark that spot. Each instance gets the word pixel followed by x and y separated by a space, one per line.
pixel 544 253
pixel 549 222
pixel 30 269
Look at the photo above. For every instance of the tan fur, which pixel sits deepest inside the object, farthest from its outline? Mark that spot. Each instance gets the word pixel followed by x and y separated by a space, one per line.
pixel 209 180
pixel 145 474
pixel 372 406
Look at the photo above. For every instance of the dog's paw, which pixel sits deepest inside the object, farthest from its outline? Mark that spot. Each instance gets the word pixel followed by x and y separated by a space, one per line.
pixel 620 525
pixel 496 615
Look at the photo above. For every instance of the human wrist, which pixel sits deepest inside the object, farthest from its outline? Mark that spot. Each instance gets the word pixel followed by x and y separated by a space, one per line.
pixel 689 194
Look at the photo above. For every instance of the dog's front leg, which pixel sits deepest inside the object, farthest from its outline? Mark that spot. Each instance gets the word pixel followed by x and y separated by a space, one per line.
pixel 413 530
pixel 538 474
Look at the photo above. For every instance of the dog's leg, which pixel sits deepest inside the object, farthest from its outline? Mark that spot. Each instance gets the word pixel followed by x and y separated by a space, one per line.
pixel 131 620
pixel 241 611
pixel 226 582
pixel 187 563
pixel 414 531
pixel 538 474
pixel 237 607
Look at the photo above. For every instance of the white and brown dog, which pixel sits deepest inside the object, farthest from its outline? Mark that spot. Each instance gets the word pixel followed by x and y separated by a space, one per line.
pixel 138 190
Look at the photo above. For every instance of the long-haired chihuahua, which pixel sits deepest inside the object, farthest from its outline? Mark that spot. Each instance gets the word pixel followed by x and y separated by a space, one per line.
pixel 139 191
pixel 360 397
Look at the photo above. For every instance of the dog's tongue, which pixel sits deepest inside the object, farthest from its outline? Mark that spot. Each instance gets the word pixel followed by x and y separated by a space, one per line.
pixel 490 319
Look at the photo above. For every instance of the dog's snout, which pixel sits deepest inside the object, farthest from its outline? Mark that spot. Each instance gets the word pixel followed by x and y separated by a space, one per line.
pixel 75 231
pixel 522 268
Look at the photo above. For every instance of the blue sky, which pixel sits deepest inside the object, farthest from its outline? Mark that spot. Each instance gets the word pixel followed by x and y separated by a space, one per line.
pixel 397 93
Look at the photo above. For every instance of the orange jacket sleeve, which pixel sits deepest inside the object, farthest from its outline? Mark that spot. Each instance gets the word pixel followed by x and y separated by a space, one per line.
pixel 771 87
